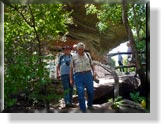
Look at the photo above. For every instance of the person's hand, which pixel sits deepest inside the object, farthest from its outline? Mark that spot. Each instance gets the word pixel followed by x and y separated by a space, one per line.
pixel 94 75
pixel 58 77
pixel 71 81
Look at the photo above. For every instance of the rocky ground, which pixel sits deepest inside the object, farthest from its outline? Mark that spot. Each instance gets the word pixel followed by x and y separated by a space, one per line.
pixel 103 91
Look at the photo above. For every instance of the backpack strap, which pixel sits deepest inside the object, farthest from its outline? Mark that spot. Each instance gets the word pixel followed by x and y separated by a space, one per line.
pixel 61 57
pixel 90 60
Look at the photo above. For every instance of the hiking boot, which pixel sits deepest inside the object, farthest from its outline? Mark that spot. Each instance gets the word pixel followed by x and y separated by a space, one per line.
pixel 70 106
pixel 127 73
pixel 67 106
pixel 91 108
pixel 84 111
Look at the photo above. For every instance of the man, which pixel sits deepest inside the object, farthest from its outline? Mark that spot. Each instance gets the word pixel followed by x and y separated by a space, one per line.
pixel 63 71
pixel 82 65
pixel 120 62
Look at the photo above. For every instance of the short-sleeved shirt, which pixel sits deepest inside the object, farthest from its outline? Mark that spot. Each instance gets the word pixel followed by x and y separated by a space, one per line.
pixel 73 53
pixel 81 63
pixel 120 58
pixel 64 62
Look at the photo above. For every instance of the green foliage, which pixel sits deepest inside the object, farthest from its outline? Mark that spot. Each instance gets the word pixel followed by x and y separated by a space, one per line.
pixel 132 69
pixel 108 15
pixel 117 102
pixel 125 62
pixel 135 96
pixel 12 102
pixel 25 68
pixel 50 19
pixel 137 18
pixel 91 9
pixel 29 77
pixel 141 45
pixel 111 13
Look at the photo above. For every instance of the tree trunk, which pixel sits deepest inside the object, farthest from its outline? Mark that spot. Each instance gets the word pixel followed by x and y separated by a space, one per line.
pixel 139 68
pixel 136 23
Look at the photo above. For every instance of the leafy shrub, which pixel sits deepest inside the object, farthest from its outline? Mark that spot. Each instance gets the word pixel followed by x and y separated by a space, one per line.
pixel 24 64
pixel 135 96
pixel 117 102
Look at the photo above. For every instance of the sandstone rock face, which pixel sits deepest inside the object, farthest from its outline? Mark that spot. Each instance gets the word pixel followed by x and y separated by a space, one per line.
pixel 84 29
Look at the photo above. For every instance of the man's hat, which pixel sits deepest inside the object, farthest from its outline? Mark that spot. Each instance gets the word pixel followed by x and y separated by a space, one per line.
pixel 80 45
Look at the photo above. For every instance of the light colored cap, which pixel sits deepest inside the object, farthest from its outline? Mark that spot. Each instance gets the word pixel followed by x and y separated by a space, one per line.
pixel 80 45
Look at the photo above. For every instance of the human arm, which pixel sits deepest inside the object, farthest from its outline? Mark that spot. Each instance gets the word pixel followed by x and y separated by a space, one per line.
pixel 58 68
pixel 58 71
pixel 93 70
pixel 92 65
pixel 71 73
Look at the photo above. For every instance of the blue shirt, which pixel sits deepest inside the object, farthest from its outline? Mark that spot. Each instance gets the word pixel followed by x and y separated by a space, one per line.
pixel 64 62
pixel 120 58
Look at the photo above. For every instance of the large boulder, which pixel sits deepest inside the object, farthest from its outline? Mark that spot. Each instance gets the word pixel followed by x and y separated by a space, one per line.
pixel 106 91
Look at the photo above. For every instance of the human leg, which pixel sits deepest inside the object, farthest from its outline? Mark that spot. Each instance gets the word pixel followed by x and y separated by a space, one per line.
pixel 80 91
pixel 120 65
pixel 88 82
pixel 70 94
pixel 66 85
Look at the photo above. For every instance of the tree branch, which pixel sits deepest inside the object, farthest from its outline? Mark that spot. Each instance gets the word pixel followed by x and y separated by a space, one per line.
pixel 20 12
pixel 34 27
